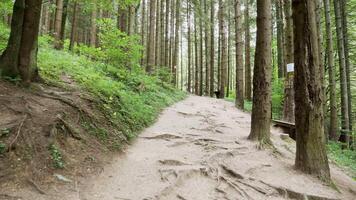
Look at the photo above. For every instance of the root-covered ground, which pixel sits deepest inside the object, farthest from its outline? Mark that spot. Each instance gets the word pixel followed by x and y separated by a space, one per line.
pixel 198 151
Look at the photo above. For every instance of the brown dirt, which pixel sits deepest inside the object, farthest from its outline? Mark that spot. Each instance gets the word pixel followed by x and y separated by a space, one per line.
pixel 198 151
pixel 35 118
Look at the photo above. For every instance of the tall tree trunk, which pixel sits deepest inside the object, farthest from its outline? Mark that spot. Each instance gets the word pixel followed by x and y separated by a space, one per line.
pixel 262 76
pixel 73 34
pixel 248 89
pixel 189 48
pixel 166 44
pixel 207 51
pixel 345 122
pixel 151 37
pixel 157 34
pixel 347 59
pixel 311 154
pixel 93 27
pixel 223 64
pixel 239 57
pixel 64 21
pixel 229 38
pixel 58 24
pixel 122 18
pixel 143 32
pixel 280 38
pixel 201 54
pixel 197 78
pixel 288 106
pixel 20 55
pixel 162 39
pixel 212 47
pixel 176 45
pixel 333 129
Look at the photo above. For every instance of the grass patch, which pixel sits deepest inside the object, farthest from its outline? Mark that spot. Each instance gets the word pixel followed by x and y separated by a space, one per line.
pixel 131 98
pixel 345 158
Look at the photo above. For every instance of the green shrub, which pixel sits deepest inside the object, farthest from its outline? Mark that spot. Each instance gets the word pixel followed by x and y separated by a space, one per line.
pixel 56 157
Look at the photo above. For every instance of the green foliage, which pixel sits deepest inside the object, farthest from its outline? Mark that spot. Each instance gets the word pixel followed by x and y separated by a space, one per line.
pixel 2 148
pixel 118 48
pixel 131 98
pixel 56 157
pixel 4 34
pixel 346 158
pixel 277 98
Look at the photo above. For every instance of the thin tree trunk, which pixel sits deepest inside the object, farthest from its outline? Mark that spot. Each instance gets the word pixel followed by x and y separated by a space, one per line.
pixel 280 38
pixel 157 34
pixel 189 49
pixel 207 51
pixel 239 57
pixel 288 106
pixel 345 123
pixel 74 26
pixel 197 78
pixel 311 154
pixel 162 40
pixel 347 59
pixel 93 27
pixel 143 33
pixel 201 54
pixel 64 20
pixel 176 45
pixel 166 51
pixel 151 37
pixel 333 129
pixel 262 76
pixel 212 49
pixel 248 89
pixel 223 64
pixel 58 24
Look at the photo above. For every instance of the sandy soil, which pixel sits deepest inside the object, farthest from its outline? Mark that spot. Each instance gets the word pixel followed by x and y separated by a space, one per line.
pixel 198 150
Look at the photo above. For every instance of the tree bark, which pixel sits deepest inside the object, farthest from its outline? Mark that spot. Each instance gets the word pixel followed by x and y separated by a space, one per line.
pixel 151 37
pixel 143 32
pixel 223 64
pixel 20 55
pixel 311 154
pixel 239 101
pixel 207 51
pixel 280 38
pixel 166 44
pixel 64 20
pixel 212 49
pixel 345 123
pixel 262 76
pixel 176 45
pixel 189 87
pixel 288 106
pixel 333 129
pixel 73 34
pixel 248 88
pixel 347 59
pixel 58 24
pixel 93 27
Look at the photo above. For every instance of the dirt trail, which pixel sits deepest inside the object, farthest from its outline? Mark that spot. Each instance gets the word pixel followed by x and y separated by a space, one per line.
pixel 198 151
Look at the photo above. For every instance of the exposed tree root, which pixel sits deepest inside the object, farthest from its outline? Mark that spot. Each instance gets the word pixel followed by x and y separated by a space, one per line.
pixel 34 185
pixel 72 131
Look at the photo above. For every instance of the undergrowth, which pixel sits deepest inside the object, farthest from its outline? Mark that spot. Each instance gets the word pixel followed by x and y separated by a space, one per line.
pixel 131 98
pixel 346 157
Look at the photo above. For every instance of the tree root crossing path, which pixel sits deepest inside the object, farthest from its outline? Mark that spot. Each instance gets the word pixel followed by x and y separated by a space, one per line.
pixel 198 150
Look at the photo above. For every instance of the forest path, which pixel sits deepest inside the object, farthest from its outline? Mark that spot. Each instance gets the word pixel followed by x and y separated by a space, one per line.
pixel 197 150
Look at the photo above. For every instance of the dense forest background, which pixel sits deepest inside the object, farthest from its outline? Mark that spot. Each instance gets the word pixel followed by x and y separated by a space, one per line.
pixel 204 47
